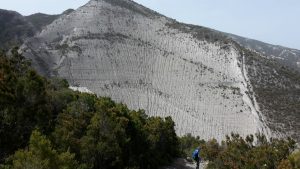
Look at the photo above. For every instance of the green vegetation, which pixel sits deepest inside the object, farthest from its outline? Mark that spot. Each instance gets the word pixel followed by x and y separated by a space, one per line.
pixel 40 20
pixel 200 33
pixel 45 125
pixel 251 152
pixel 293 162
pixel 40 154
pixel 188 144
pixel 277 91
pixel 24 103
pixel 14 29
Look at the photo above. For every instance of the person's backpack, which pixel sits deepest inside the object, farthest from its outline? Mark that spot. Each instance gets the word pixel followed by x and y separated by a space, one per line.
pixel 195 154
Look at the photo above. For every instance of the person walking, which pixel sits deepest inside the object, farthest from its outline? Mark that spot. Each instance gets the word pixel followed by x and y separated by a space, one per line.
pixel 196 157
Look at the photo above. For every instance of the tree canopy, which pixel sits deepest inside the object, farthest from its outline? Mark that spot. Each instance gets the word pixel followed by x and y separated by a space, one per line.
pixel 45 125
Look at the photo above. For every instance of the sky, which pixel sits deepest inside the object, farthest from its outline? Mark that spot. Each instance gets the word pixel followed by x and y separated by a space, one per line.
pixel 272 21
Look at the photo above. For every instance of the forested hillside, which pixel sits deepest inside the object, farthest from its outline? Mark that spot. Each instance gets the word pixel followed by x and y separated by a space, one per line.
pixel 45 125
pixel 14 29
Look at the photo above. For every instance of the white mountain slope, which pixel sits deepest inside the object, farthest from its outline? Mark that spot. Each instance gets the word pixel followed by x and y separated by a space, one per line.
pixel 124 51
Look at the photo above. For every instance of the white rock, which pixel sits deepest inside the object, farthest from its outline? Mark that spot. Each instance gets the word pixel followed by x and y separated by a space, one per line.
pixel 139 61
pixel 81 89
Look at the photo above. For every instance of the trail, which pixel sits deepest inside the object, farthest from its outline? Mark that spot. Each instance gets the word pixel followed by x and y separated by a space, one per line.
pixel 184 164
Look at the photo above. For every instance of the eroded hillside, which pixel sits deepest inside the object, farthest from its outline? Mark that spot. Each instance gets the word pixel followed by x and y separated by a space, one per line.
pixel 125 51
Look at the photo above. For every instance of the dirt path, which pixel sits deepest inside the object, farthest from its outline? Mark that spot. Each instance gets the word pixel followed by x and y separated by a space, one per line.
pixel 184 164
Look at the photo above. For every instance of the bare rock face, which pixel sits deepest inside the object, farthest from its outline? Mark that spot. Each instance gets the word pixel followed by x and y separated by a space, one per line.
pixel 119 49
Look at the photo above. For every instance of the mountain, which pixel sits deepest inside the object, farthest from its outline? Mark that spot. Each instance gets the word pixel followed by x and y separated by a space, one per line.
pixel 206 81
pixel 286 56
pixel 40 20
pixel 15 28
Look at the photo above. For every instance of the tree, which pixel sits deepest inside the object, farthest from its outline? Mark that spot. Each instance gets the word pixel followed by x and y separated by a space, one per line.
pixel 40 155
pixel 73 121
pixel 22 102
pixel 162 139
pixel 237 153
pixel 100 147
pixel 210 150
pixel 294 159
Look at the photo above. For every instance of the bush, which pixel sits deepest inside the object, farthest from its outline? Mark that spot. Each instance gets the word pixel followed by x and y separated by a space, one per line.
pixel 294 159
pixel 40 155
pixel 188 144
pixel 95 132
pixel 237 152
pixel 78 130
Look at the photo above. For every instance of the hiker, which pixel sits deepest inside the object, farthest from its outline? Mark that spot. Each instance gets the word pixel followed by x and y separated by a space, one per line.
pixel 196 157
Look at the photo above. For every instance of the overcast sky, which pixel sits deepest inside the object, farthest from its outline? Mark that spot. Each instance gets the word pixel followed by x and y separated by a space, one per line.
pixel 273 21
